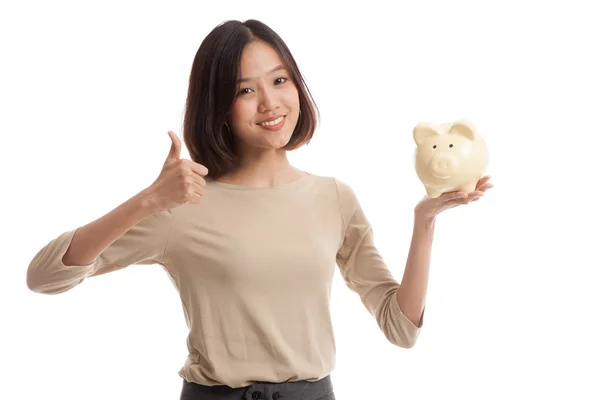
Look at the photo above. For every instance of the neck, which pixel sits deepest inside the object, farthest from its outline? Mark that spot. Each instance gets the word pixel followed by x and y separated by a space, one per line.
pixel 266 169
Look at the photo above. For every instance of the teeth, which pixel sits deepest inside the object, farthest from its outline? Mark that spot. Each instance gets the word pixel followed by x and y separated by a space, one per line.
pixel 272 123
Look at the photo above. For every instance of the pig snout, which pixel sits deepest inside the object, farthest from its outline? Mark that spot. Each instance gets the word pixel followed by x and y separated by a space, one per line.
pixel 443 165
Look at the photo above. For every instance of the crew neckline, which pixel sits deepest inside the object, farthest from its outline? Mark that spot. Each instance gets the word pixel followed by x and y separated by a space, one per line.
pixel 262 189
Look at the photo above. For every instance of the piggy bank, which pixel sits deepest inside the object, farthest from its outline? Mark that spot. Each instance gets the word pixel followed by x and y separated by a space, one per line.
pixel 449 157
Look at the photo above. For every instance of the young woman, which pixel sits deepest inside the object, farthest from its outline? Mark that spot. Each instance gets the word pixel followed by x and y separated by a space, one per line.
pixel 250 241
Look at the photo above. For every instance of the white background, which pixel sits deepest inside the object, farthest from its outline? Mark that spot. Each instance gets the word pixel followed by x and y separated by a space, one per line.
pixel 89 90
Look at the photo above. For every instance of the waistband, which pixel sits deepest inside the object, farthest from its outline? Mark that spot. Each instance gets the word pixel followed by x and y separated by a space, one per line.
pixel 298 390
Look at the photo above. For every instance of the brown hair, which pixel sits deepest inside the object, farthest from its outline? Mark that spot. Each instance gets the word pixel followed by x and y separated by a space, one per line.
pixel 212 94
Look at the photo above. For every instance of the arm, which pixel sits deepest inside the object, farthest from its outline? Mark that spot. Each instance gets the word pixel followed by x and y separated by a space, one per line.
pixel 136 232
pixel 132 233
pixel 366 273
pixel 90 240
pixel 412 291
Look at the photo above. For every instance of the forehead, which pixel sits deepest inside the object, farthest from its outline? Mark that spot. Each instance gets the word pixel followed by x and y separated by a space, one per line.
pixel 258 58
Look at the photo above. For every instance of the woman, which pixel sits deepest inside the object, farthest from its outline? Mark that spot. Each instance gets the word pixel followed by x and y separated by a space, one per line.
pixel 250 241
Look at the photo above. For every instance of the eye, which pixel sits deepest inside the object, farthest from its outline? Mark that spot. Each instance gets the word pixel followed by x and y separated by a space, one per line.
pixel 451 145
pixel 244 91
pixel 280 80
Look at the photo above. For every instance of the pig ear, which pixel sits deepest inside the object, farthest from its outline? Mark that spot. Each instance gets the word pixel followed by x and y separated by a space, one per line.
pixel 464 128
pixel 424 131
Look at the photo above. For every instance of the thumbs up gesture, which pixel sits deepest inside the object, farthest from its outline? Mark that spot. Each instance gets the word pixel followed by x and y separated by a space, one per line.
pixel 180 181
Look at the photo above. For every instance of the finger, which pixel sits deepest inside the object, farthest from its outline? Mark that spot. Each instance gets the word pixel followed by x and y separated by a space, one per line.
pixel 483 180
pixel 199 180
pixel 193 198
pixel 456 202
pixel 484 187
pixel 464 199
pixel 199 169
pixel 451 196
pixel 199 189
pixel 175 150
pixel 476 195
pixel 194 192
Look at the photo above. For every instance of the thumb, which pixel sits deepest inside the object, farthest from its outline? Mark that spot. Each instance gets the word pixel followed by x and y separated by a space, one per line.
pixel 175 151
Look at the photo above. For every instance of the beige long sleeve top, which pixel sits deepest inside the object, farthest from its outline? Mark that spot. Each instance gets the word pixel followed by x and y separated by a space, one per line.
pixel 254 269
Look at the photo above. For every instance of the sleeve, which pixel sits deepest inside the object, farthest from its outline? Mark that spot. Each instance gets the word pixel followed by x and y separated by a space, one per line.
pixel 144 243
pixel 365 272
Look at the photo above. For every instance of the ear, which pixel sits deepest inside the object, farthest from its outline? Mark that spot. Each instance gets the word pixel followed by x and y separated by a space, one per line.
pixel 464 128
pixel 424 131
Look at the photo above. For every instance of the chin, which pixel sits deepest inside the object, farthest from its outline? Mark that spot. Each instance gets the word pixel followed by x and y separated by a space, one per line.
pixel 280 145
pixel 275 140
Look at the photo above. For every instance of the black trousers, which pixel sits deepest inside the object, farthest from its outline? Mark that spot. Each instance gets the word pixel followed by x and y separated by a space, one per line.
pixel 299 390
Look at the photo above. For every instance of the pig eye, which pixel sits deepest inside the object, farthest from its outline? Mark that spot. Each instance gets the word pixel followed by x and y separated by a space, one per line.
pixel 434 146
pixel 451 145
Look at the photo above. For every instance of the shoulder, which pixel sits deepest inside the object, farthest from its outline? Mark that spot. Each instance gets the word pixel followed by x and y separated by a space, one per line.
pixel 343 192
pixel 343 189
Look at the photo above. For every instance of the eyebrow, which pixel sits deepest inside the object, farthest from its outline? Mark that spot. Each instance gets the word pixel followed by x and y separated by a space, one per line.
pixel 277 68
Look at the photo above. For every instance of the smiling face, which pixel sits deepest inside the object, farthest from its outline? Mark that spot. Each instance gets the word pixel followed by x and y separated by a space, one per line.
pixel 267 106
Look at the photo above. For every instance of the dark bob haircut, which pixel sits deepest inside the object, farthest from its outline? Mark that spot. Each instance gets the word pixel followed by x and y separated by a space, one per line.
pixel 212 94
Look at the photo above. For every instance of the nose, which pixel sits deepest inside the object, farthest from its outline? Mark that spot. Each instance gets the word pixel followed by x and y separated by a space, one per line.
pixel 267 100
pixel 443 165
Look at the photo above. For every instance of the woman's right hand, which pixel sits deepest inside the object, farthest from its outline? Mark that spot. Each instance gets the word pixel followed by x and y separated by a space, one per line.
pixel 180 181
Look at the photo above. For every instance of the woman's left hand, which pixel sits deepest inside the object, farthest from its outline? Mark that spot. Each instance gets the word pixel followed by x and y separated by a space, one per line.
pixel 428 208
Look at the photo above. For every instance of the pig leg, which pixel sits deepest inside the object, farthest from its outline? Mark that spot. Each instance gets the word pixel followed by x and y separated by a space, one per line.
pixel 433 193
pixel 468 187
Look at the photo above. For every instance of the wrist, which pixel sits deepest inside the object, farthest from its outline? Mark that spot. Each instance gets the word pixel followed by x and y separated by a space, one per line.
pixel 146 202
pixel 424 221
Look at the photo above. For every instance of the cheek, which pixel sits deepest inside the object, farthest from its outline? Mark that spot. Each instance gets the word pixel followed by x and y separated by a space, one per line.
pixel 424 155
pixel 241 112
pixel 292 97
pixel 295 97
pixel 466 150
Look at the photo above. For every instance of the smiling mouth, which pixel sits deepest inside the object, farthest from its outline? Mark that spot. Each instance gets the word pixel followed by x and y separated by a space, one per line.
pixel 272 123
